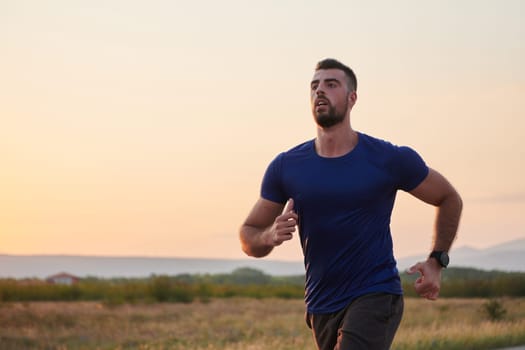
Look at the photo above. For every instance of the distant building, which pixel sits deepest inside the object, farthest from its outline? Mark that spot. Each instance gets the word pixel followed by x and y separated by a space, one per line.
pixel 63 278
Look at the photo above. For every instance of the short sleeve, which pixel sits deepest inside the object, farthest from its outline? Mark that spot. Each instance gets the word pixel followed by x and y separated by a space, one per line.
pixel 272 188
pixel 412 169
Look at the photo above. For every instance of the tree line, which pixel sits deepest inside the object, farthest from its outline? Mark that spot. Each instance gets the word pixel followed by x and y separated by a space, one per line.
pixel 243 282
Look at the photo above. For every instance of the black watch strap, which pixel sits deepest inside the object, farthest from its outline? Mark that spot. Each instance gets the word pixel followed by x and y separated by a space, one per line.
pixel 441 257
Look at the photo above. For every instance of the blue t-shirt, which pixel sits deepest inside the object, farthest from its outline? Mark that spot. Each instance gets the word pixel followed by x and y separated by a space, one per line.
pixel 344 206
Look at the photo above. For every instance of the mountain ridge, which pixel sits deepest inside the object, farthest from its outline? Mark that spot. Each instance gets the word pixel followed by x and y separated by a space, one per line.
pixel 507 256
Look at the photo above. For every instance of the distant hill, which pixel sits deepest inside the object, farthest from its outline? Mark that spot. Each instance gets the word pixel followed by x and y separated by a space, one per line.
pixel 509 256
pixel 42 266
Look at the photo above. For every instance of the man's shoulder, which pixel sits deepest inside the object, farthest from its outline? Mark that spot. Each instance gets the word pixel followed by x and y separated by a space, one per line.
pixel 300 149
pixel 376 144
pixel 299 152
pixel 386 147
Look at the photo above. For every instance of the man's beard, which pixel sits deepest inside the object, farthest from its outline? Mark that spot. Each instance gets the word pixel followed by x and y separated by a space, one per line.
pixel 331 118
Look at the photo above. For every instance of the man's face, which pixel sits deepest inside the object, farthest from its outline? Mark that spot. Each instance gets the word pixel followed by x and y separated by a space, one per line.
pixel 330 97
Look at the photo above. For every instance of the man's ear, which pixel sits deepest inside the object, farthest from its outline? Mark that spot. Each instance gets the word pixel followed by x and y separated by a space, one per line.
pixel 352 98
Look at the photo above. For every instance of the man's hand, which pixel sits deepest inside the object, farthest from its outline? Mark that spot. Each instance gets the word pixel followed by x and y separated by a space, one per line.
pixel 428 283
pixel 283 226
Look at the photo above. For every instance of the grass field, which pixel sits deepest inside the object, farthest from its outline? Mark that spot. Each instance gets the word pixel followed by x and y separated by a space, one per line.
pixel 235 324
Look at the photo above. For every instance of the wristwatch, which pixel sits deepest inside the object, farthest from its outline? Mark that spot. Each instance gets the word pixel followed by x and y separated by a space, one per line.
pixel 441 257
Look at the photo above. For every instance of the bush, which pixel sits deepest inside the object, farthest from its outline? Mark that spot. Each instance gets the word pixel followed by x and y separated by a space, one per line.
pixel 164 289
pixel 494 310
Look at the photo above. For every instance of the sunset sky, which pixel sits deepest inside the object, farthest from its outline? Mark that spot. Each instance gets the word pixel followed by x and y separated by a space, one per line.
pixel 143 128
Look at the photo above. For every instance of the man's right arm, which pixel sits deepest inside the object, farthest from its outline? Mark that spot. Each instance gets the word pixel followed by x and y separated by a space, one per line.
pixel 267 226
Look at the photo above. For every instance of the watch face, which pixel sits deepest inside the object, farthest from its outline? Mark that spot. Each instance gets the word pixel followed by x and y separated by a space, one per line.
pixel 441 257
pixel 444 259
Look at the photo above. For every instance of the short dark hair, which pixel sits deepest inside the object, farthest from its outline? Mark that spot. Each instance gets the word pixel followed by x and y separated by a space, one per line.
pixel 330 63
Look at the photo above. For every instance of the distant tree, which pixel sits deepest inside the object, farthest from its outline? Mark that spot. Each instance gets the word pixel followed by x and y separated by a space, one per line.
pixel 247 275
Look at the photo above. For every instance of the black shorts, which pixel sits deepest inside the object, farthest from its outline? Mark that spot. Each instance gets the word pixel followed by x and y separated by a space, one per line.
pixel 367 323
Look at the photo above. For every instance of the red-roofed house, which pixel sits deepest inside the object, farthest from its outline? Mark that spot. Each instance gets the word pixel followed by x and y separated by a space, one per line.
pixel 63 278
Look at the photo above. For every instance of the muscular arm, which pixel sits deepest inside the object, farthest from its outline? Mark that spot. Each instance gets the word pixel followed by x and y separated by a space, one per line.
pixel 436 190
pixel 267 226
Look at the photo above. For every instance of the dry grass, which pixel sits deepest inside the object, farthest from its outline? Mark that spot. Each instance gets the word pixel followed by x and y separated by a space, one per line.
pixel 219 324
pixel 236 324
pixel 459 324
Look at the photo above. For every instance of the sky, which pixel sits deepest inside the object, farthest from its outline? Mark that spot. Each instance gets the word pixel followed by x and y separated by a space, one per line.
pixel 143 128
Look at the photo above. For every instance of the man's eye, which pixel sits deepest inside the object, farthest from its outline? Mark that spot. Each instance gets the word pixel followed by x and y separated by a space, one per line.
pixel 331 85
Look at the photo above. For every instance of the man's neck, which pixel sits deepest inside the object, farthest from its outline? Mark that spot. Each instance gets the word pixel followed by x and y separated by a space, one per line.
pixel 335 141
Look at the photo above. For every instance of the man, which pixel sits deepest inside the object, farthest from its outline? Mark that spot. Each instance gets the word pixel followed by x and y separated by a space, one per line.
pixel 339 189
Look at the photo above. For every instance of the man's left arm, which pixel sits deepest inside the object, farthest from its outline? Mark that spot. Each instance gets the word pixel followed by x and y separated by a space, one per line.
pixel 436 190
